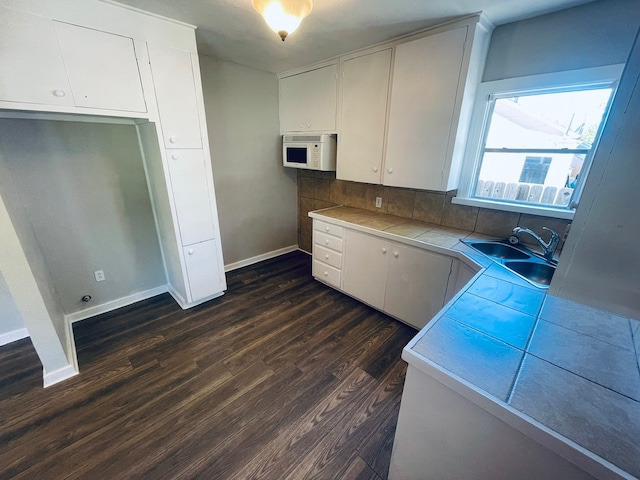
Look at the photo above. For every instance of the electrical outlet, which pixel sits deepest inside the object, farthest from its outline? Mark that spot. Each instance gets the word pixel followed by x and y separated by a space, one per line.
pixel 378 202
pixel 99 274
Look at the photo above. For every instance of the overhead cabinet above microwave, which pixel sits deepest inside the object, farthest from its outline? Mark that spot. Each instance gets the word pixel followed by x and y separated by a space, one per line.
pixel 403 107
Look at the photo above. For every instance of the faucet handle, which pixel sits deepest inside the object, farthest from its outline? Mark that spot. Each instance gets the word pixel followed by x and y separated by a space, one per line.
pixel 553 232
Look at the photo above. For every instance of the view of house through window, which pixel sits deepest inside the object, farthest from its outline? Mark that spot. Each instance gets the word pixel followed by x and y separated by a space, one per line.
pixel 537 145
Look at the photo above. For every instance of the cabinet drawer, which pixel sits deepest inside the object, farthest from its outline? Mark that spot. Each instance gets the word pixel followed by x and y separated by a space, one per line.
pixel 328 241
pixel 326 273
pixel 327 256
pixel 324 227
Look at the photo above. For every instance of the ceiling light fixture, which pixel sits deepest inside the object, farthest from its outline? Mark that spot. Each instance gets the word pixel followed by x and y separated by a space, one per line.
pixel 283 16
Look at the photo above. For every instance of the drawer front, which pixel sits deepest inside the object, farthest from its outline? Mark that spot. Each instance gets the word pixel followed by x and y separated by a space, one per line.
pixel 327 241
pixel 324 227
pixel 326 273
pixel 327 256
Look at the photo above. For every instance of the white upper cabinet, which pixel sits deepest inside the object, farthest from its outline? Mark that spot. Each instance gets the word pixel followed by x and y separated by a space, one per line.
pixel 31 65
pixel 308 101
pixel 363 114
pixel 102 69
pixel 173 80
pixel 191 195
pixel 428 83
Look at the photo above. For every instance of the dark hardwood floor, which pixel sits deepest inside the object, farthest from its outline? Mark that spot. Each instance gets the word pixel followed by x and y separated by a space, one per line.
pixel 280 378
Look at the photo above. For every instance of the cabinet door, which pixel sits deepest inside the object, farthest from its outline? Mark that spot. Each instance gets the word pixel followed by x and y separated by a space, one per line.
pixel 416 284
pixel 365 268
pixel 191 195
pixel 365 87
pixel 203 270
pixel 102 69
pixel 424 93
pixel 308 100
pixel 31 65
pixel 176 95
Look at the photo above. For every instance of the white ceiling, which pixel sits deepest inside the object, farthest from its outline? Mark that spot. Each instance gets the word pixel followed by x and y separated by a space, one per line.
pixel 232 30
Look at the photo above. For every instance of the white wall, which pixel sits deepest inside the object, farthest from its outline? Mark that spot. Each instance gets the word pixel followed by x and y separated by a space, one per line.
pixel 600 264
pixel 79 189
pixel 11 325
pixel 256 195
pixel 590 35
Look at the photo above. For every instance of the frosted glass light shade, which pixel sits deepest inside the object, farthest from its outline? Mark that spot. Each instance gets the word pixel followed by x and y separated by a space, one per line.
pixel 283 16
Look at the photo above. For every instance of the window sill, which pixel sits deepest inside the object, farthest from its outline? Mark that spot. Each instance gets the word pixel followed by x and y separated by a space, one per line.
pixel 515 207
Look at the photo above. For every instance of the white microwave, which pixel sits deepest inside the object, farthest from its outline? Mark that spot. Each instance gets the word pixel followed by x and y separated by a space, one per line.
pixel 312 152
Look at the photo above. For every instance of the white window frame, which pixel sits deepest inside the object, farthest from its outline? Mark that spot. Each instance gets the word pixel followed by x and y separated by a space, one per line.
pixel 598 77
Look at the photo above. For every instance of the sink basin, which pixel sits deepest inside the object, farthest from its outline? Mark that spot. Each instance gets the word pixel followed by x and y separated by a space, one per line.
pixel 499 250
pixel 540 273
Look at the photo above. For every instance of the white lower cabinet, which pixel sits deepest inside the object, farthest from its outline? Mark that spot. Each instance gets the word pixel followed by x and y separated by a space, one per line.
pixel 327 253
pixel 408 283
pixel 416 284
pixel 365 268
pixel 203 270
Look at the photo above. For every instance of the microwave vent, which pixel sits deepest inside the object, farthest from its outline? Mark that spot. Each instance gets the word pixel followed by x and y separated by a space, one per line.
pixel 302 138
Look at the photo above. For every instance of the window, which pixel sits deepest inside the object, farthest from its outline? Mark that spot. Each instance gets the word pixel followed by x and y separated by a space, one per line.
pixel 532 139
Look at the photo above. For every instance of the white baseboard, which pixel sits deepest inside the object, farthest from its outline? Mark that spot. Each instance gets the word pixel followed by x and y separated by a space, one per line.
pixel 186 306
pixel 260 258
pixel 13 336
pixel 117 303
pixel 59 375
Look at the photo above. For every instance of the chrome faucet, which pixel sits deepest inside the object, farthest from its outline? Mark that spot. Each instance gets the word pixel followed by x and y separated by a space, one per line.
pixel 548 248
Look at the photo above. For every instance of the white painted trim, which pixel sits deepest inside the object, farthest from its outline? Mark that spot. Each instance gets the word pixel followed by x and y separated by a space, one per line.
pixel 260 258
pixel 13 336
pixel 514 207
pixel 114 304
pixel 149 14
pixel 59 375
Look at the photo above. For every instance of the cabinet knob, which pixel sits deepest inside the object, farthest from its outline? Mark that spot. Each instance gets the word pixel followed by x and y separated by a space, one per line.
pixel 327 241
pixel 191 252
pixel 327 228
pixel 326 274
pixel 59 93
pixel 302 125
pixel 173 139
pixel 390 170
pixel 308 125
pixel 384 250
pixel 175 156
pixel 375 169
pixel 395 254
pixel 326 257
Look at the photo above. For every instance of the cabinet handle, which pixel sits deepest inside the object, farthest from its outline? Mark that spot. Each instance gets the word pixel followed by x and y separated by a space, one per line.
pixel 175 156
pixel 191 252
pixel 375 169
pixel 384 250
pixel 59 93
pixel 395 254
pixel 390 170
pixel 173 139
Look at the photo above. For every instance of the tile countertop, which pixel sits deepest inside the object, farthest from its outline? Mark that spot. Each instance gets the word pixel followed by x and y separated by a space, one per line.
pixel 566 374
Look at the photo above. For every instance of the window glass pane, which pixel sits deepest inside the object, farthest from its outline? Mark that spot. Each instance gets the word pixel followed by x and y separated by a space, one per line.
pixel 551 120
pixel 529 178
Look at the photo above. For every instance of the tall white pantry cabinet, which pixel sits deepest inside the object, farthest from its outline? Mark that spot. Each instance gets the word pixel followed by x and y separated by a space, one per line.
pixel 110 63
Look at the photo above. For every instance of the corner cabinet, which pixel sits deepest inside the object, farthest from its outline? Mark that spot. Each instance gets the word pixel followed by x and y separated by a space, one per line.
pixel 308 100
pixel 408 283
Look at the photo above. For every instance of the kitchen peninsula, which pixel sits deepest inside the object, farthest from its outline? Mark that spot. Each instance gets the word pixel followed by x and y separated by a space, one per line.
pixel 505 381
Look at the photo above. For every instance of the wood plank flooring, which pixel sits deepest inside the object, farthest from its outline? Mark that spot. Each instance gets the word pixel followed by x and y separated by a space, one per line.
pixel 281 378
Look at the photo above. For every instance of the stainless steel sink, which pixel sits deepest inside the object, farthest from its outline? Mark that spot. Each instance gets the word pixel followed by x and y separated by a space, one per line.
pixel 520 260
pixel 536 272
pixel 499 250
